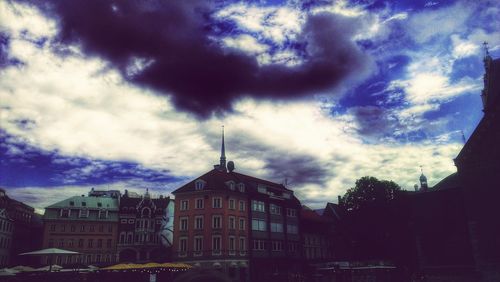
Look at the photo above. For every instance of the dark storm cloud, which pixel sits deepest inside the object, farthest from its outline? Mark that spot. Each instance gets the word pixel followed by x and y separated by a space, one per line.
pixel 297 168
pixel 374 121
pixel 169 43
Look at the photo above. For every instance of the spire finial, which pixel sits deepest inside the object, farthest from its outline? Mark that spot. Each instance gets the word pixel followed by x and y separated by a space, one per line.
pixel 223 153
pixel 463 136
pixel 486 49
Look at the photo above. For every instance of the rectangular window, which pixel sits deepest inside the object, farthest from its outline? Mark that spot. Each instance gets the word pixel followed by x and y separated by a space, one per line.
pixel 232 245
pixel 101 228
pixel 291 212
pixel 243 246
pixel 242 224
pixel 199 203
pixel 242 205
pixel 292 229
pixel 90 243
pixel 292 247
pixel 84 213
pixel 258 206
pixel 99 243
pixel 216 243
pixel 216 221
pixel 65 213
pixel 198 245
pixel 232 222
pixel 61 243
pixel 198 222
pixel 80 243
pixel 259 245
pixel 52 227
pixel 217 203
pixel 184 205
pixel 258 224
pixel 82 228
pixel 73 228
pixel 109 243
pixel 182 246
pixel 275 209
pixel 183 223
pixel 232 204
pixel 71 243
pixel 91 228
pixel 276 227
pixel 277 246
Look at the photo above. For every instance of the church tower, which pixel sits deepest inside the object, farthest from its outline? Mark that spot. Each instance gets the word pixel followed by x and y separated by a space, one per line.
pixel 423 181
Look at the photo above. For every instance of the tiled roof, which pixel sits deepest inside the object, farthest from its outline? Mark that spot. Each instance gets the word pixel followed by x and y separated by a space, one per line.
pixel 216 180
pixel 90 203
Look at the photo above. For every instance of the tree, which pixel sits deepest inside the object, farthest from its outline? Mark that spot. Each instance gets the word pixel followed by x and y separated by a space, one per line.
pixel 370 192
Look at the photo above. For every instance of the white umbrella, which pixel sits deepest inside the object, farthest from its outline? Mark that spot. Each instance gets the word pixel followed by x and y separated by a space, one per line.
pixel 22 268
pixel 7 272
pixel 49 268
pixel 50 252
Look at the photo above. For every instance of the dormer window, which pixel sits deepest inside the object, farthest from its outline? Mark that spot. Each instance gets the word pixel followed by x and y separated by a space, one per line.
pixel 199 184
pixel 231 185
pixel 64 213
pixel 71 203
pixel 84 204
pixel 99 205
pixel 241 187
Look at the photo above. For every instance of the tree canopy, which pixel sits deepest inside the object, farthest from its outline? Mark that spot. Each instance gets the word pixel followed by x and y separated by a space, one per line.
pixel 370 192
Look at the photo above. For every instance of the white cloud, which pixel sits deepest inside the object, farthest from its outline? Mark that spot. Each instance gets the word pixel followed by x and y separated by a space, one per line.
pixel 341 7
pixel 429 24
pixel 16 18
pixel 245 43
pixel 83 109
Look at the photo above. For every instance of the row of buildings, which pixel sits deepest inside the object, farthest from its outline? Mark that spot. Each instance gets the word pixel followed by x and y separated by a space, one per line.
pixel 247 227
pixel 253 229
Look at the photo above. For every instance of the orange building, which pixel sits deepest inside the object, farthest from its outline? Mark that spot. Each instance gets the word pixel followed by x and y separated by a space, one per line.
pixel 87 225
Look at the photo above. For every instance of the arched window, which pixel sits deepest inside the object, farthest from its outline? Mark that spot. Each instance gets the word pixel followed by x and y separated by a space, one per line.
pixel 129 238
pixel 146 212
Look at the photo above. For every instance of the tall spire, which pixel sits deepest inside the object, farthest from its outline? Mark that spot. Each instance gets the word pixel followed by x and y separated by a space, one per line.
pixel 222 153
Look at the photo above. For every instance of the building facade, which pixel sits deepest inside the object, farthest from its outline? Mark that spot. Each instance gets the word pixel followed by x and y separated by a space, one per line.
pixel 88 225
pixel 211 223
pixel 22 219
pixel 6 228
pixel 478 164
pixel 145 228
pixel 245 226
pixel 275 237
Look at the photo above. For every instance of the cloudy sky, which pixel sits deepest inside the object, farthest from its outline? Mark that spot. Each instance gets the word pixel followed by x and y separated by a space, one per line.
pixel 132 94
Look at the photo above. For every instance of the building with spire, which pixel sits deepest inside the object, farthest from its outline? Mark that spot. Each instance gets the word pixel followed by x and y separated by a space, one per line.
pixel 245 226
pixel 456 226
pixel 423 181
